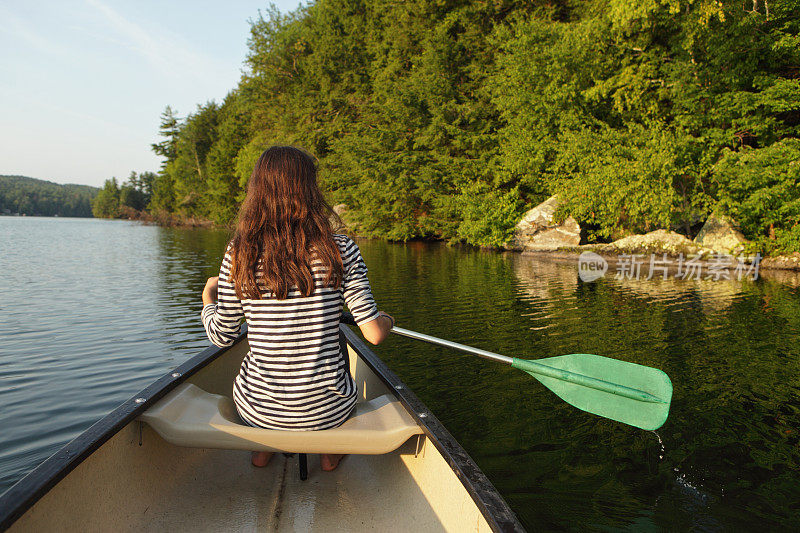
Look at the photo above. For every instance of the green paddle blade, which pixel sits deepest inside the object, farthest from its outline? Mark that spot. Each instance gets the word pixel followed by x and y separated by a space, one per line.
pixel 626 392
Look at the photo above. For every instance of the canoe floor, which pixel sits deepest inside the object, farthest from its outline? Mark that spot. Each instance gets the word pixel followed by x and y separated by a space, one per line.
pixel 156 486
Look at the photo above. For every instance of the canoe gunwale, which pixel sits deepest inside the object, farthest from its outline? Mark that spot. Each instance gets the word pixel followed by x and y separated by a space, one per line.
pixel 27 491
pixel 494 508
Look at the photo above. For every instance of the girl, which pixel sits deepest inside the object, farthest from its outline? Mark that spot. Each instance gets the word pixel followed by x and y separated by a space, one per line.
pixel 288 274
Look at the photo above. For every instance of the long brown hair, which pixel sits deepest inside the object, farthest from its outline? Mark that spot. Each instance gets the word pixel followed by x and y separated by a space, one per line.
pixel 283 227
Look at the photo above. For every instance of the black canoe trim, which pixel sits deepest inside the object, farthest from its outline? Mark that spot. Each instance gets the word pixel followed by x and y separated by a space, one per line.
pixel 494 508
pixel 27 491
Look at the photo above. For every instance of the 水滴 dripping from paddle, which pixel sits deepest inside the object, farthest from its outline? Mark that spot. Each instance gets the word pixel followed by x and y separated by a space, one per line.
pixel 633 394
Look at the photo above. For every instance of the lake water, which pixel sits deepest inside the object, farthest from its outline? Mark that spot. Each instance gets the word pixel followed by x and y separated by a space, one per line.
pixel 92 311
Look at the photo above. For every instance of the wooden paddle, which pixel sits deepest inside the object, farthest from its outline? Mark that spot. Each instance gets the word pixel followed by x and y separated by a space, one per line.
pixel 626 392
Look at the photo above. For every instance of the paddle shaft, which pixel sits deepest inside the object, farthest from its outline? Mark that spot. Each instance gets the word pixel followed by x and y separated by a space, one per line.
pixel 530 366
pixel 347 318
pixel 454 345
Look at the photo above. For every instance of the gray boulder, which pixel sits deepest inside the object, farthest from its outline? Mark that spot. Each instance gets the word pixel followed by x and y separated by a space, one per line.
pixel 660 240
pixel 719 235
pixel 538 231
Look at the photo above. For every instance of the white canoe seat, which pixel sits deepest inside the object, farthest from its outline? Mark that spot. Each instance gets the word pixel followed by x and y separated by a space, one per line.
pixel 192 417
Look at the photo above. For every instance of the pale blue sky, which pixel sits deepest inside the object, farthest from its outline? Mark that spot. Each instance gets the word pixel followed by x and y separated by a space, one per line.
pixel 84 82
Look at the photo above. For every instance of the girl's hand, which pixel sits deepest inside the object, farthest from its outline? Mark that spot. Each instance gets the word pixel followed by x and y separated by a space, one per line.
pixel 210 291
pixel 375 331
pixel 390 317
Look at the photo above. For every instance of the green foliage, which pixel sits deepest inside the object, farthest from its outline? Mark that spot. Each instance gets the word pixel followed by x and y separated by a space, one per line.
pixel 223 185
pixel 137 191
pixel 169 129
pixel 106 203
pixel 188 170
pixel 449 119
pixel 640 179
pixel 625 111
pixel 760 189
pixel 163 187
pixel 488 215
pixel 29 196
pixel 132 197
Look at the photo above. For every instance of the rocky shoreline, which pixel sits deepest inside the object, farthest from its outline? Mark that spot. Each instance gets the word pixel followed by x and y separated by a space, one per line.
pixel 717 241
pixel 537 234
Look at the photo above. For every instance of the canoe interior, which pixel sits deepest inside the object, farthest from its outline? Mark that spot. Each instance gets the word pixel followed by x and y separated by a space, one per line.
pixel 137 481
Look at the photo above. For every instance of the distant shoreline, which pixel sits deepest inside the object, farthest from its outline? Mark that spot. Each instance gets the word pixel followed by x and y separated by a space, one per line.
pixel 790 265
pixel 21 215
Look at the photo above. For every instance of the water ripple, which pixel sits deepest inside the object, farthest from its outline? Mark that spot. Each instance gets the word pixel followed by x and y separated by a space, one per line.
pixel 90 325
pixel 115 305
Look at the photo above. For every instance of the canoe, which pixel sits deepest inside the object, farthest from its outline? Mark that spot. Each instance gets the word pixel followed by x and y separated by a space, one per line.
pixel 174 458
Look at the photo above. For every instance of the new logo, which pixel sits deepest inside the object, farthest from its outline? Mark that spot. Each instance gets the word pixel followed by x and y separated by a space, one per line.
pixel 591 266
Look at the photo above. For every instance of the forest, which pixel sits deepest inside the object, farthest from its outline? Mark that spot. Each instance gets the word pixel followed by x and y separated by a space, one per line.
pixel 29 196
pixel 128 200
pixel 448 119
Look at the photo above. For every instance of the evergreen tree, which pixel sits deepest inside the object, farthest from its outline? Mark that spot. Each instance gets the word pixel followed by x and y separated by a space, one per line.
pixel 169 129
pixel 163 188
pixel 106 203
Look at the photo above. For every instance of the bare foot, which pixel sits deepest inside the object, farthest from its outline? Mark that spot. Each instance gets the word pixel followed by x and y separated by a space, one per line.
pixel 261 458
pixel 329 461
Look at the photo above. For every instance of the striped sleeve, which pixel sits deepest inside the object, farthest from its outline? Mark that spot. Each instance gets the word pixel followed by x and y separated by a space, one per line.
pixel 355 285
pixel 223 319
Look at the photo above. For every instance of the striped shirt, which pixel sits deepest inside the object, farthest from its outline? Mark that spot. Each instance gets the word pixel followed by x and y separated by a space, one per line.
pixel 295 376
